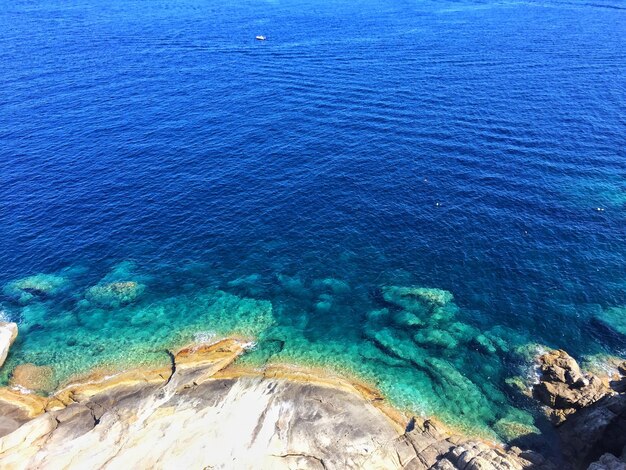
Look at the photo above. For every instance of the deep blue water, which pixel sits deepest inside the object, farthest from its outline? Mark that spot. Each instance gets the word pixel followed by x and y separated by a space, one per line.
pixel 476 147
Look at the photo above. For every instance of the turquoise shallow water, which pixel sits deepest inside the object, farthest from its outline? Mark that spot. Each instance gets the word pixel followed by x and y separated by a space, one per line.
pixel 412 342
pixel 416 193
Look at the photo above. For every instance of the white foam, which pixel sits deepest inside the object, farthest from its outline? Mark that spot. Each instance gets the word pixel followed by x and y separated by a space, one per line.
pixel 250 345
pixel 22 390
pixel 204 337
pixel 4 316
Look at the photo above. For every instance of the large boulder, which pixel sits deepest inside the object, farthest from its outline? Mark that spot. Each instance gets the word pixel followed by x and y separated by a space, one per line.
pixel 8 333
pixel 591 432
pixel 590 414
pixel 558 366
pixel 564 388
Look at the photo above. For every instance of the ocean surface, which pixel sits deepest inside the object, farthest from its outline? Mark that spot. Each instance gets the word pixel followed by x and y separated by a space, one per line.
pixel 423 194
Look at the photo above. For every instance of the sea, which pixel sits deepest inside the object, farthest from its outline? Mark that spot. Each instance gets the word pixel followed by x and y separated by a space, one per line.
pixel 421 194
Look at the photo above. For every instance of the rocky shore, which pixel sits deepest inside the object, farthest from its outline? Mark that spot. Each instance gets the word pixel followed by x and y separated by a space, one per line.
pixel 588 410
pixel 202 411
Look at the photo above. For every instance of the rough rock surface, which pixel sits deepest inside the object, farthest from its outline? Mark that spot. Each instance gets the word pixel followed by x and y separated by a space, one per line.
pixel 608 462
pixel 8 333
pixel 564 388
pixel 33 377
pixel 200 414
pixel 114 293
pixel 590 412
pixel 591 432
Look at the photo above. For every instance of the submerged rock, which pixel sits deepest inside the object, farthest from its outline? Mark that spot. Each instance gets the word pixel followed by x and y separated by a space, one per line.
pixel 293 285
pixel 336 286
pixel 8 333
pixel 39 286
pixel 405 318
pixel 519 384
pixel 529 352
pixel 33 377
pixel 613 318
pixel 433 296
pixel 463 332
pixel 422 327
pixel 412 298
pixel 114 294
pixel 467 396
pixel 610 369
pixel 512 429
pixel 484 344
pixel 434 338
pixel 609 462
pixel 251 285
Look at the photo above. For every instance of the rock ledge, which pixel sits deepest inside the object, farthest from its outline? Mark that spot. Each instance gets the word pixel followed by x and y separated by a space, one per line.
pixel 202 412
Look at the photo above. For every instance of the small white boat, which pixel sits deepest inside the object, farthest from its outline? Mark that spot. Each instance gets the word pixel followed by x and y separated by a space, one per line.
pixel 260 38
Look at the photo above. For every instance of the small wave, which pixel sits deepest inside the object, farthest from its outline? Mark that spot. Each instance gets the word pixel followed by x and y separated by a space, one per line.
pixel 202 337
pixel 250 345
pixel 4 316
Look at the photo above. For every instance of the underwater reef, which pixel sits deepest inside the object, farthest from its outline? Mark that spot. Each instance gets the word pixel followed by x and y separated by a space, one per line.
pixel 202 409
pixel 426 355
pixel 39 286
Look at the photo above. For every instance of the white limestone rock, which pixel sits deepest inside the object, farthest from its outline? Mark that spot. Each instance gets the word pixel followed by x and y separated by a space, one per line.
pixel 8 333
